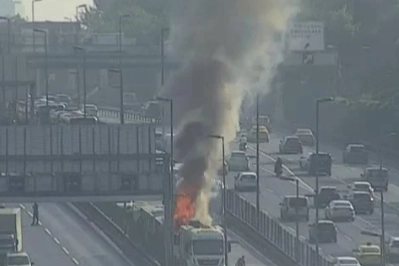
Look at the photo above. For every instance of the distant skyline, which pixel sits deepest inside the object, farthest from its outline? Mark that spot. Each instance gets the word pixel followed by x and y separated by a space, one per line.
pixel 56 10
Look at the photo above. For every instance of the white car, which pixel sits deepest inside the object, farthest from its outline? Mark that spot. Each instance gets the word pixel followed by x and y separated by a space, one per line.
pixel 340 210
pixel 393 247
pixel 346 261
pixel 18 259
pixel 91 110
pixel 238 161
pixel 245 181
pixel 362 186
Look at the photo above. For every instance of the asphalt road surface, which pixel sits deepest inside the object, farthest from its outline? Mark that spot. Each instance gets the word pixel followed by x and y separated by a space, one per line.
pixel 64 238
pixel 274 189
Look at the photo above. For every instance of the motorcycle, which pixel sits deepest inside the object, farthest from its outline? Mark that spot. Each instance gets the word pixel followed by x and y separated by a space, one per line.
pixel 242 146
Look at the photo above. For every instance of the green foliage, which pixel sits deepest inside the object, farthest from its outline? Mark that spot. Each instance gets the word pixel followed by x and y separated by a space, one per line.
pixel 144 24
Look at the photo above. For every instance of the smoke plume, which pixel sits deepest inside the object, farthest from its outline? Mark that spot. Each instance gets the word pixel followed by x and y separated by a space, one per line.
pixel 228 49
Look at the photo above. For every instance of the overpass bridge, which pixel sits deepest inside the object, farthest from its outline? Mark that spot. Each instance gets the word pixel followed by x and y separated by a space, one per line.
pixel 111 60
pixel 80 163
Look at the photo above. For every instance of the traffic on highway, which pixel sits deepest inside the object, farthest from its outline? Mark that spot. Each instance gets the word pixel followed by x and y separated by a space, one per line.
pixel 349 213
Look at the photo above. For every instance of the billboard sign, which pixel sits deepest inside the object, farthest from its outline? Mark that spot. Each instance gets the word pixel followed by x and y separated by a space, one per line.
pixel 306 36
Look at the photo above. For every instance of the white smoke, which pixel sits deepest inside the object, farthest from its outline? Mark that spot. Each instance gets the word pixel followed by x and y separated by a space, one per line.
pixel 228 48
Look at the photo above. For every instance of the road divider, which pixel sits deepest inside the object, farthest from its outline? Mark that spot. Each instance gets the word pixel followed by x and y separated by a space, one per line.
pixel 110 113
pixel 271 233
pixel 117 234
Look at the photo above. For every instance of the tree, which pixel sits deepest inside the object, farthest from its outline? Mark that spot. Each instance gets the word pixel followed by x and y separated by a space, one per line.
pixel 144 24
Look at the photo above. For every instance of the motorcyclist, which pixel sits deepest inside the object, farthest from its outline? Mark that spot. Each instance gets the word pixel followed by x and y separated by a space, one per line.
pixel 243 139
pixel 278 167
pixel 243 143
pixel 241 261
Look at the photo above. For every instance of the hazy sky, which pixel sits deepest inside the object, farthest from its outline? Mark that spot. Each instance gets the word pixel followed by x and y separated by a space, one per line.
pixel 53 9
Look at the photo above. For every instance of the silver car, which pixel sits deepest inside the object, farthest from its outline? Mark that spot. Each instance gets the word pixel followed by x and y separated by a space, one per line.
pixel 246 181
pixel 340 210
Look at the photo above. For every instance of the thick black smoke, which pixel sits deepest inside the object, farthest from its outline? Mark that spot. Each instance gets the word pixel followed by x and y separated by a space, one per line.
pixel 222 44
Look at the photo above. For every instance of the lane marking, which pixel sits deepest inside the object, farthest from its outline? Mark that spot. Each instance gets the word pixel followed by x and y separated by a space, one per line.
pixel 47 231
pixel 65 250
pixel 301 182
pixel 312 190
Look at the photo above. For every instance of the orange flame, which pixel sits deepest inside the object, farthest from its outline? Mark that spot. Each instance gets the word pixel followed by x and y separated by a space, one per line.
pixel 185 210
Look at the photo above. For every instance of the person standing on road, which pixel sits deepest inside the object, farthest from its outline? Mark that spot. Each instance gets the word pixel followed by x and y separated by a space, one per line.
pixel 35 208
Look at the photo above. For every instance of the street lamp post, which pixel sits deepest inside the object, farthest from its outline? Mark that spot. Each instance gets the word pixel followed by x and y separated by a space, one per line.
pixel 33 24
pixel 120 33
pixel 8 33
pixel 226 257
pixel 169 201
pixel 46 60
pixel 122 110
pixel 163 31
pixel 78 22
pixel 257 163
pixel 318 102
pixel 383 261
pixel 84 78
pixel 296 180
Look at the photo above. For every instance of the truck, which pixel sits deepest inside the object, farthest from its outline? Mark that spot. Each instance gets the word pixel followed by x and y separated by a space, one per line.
pixel 194 244
pixel 10 232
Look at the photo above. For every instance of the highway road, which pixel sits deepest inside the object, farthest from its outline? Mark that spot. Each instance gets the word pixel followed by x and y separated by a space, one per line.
pixel 65 238
pixel 273 190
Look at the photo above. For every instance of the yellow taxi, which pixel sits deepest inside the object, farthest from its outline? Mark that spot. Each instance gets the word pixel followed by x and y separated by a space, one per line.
pixel 263 134
pixel 368 254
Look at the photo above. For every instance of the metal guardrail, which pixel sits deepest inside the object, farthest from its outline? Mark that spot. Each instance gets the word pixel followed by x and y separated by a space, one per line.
pixel 117 235
pixel 113 113
pixel 273 231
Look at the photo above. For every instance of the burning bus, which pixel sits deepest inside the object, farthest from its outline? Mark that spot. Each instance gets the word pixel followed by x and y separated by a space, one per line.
pixel 195 244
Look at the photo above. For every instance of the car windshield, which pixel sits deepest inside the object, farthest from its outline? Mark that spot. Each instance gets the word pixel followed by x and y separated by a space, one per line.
pixel 328 191
pixel 362 187
pixel 348 261
pixel 248 177
pixel 357 149
pixel 326 226
pixel 208 247
pixel 237 155
pixel 18 260
pixel 342 204
pixel 377 173
pixel 373 249
pixel 362 197
pixel 263 120
pixel 303 131
pixel 300 202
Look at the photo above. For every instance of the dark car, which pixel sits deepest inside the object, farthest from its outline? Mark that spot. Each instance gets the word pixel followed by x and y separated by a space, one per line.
pixel 290 145
pixel 362 201
pixel 325 231
pixel 355 154
pixel 326 195
pixel 309 163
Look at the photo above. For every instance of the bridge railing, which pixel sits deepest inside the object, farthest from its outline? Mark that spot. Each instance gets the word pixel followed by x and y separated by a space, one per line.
pixel 113 114
pixel 271 230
